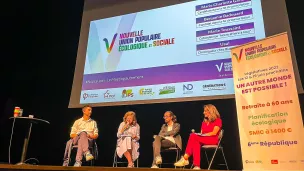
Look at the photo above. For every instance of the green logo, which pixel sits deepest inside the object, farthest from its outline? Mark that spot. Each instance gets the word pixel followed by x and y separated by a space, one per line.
pixel 167 90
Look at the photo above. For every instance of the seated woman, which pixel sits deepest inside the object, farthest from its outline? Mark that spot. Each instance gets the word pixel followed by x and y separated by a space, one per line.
pixel 128 135
pixel 167 137
pixel 209 136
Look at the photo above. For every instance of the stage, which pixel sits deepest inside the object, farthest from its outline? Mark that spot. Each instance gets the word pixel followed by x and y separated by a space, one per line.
pixel 8 167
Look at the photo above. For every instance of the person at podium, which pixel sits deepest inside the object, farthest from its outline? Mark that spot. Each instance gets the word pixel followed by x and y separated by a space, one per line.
pixel 83 132
pixel 167 137
pixel 210 130
pixel 128 135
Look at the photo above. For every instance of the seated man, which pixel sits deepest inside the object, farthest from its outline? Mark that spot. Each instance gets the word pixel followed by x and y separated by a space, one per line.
pixel 83 132
pixel 167 137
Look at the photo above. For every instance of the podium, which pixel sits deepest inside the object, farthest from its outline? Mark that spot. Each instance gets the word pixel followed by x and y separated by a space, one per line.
pixel 31 121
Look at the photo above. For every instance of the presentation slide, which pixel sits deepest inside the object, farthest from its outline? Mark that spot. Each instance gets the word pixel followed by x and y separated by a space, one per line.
pixel 178 51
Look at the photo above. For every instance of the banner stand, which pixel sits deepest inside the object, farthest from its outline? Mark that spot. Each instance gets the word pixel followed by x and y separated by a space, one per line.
pixel 268 109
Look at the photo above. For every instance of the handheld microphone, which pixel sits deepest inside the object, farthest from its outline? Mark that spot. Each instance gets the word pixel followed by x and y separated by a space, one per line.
pixel 127 125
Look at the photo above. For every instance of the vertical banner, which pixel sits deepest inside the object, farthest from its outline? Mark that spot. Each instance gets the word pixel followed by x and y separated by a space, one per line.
pixel 269 115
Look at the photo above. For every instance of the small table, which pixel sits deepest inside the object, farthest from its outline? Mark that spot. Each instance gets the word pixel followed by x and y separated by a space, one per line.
pixel 27 138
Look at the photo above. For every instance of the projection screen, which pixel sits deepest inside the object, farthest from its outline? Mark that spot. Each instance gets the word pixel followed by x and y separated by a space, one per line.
pixel 138 51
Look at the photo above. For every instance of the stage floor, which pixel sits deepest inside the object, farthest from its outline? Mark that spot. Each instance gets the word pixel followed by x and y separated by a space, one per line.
pixel 8 167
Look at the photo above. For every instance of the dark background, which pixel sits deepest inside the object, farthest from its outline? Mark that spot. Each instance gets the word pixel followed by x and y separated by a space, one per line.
pixel 40 46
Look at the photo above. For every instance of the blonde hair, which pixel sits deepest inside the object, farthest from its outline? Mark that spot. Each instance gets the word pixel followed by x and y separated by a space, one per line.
pixel 214 114
pixel 130 113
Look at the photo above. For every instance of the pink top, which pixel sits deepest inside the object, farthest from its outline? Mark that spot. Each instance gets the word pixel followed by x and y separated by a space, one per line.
pixel 209 128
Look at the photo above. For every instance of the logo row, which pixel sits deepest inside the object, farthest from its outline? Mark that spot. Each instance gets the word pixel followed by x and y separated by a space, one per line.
pixel 272 161
pixel 187 89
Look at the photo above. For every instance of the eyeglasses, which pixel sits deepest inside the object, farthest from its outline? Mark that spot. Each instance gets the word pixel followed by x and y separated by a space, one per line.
pixel 166 117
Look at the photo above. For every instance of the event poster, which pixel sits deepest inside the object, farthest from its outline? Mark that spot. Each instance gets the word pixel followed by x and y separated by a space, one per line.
pixel 269 114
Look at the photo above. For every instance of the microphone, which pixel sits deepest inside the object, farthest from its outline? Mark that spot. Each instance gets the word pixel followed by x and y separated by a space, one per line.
pixel 192 130
pixel 127 125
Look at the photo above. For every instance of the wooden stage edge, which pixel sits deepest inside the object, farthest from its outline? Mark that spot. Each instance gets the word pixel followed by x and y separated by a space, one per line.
pixel 9 167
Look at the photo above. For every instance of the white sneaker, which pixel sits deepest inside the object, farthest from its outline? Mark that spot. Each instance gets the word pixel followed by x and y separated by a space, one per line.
pixel 182 162
pixel 77 164
pixel 89 156
pixel 154 166
pixel 196 168
pixel 158 160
